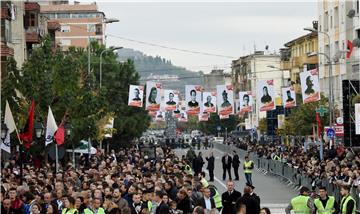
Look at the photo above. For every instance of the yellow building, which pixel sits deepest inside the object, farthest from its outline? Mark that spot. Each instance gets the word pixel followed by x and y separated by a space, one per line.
pixel 296 56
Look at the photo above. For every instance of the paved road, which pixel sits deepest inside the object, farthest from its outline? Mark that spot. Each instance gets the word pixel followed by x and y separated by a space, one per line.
pixel 272 192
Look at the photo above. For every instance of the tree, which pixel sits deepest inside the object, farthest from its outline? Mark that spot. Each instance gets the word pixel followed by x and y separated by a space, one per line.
pixel 210 126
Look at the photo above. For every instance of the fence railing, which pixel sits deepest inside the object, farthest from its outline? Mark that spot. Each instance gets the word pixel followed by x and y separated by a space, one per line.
pixel 289 175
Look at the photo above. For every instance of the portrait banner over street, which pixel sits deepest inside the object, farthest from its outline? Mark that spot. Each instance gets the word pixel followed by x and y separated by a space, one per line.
pixel 183 117
pixel 310 85
pixel 288 97
pixel 265 95
pixel 209 102
pixel 136 94
pixel 246 101
pixel 160 116
pixel 193 98
pixel 153 96
pixel 203 117
pixel 171 99
pixel 225 99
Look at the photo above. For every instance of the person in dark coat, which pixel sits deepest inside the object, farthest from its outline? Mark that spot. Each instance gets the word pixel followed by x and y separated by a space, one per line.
pixel 207 202
pixel 253 194
pixel 211 165
pixel 229 198
pixel 236 164
pixel 183 202
pixel 198 164
pixel 162 207
pixel 226 164
pixel 252 206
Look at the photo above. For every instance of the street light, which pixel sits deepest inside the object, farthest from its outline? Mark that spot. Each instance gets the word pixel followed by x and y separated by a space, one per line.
pixel 68 128
pixel 101 54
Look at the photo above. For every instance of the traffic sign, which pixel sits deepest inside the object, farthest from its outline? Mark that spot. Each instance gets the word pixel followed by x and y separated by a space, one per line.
pixel 330 133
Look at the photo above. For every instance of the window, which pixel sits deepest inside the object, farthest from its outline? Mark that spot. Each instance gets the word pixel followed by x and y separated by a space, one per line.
pixel 336 47
pixel 65 42
pixel 358 33
pixel 91 28
pixel 63 15
pixel 65 28
pixel 326 21
pixel 49 15
pixel 336 17
pixel 357 6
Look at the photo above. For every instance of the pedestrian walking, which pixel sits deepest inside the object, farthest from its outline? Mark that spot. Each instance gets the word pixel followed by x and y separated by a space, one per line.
pixel 302 203
pixel 226 164
pixel 325 204
pixel 251 204
pixel 347 204
pixel 248 167
pixel 211 166
pixel 229 198
pixel 236 164
pixel 198 164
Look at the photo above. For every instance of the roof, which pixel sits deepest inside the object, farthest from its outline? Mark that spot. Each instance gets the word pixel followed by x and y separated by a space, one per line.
pixel 309 35
pixel 70 8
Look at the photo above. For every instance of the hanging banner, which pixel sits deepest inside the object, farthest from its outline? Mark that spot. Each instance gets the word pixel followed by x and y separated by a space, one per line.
pixel 177 111
pixel 136 93
pixel 265 95
pixel 288 97
pixel 160 116
pixel 193 98
pixel 281 120
pixel 171 99
pixel 310 86
pixel 209 102
pixel 357 118
pixel 225 100
pixel 153 96
pixel 226 116
pixel 203 117
pixel 247 124
pixel 183 117
pixel 246 101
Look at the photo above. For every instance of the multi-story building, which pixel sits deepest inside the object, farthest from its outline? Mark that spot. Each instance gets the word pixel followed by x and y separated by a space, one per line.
pixel 335 30
pixel 7 15
pixel 216 77
pixel 356 41
pixel 295 57
pixel 80 23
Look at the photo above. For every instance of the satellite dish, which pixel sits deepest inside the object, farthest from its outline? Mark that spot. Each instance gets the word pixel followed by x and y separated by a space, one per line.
pixel 52 152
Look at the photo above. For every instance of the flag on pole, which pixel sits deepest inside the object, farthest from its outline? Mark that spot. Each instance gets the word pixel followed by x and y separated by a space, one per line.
pixel 60 134
pixel 318 121
pixel 51 128
pixel 10 124
pixel 26 135
pixel 349 49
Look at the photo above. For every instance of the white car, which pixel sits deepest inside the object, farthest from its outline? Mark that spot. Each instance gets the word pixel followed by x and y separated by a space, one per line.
pixel 218 140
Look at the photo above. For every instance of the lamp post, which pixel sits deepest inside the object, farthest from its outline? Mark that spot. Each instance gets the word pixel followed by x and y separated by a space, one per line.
pixel 101 54
pixel 68 128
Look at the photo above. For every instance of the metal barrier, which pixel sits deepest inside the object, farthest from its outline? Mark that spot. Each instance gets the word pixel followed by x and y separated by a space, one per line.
pixel 289 175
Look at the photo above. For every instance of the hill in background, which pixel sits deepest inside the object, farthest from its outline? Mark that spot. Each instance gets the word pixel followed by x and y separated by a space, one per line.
pixel 159 69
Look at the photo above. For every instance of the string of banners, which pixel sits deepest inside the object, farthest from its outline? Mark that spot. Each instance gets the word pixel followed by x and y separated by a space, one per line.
pixel 202 103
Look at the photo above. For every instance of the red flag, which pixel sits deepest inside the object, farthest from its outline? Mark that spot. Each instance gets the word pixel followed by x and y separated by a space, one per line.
pixel 60 134
pixel 349 49
pixel 26 135
pixel 318 121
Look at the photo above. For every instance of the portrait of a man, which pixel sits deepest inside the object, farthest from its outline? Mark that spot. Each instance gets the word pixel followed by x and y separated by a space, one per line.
pixel 208 102
pixel 193 103
pixel 309 86
pixel 289 98
pixel 246 100
pixel 171 101
pixel 266 98
pixel 136 94
pixel 226 102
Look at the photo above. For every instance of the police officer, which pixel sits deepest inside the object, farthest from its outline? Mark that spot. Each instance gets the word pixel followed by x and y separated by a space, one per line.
pixel 236 163
pixel 347 204
pixel 216 196
pixel 325 204
pixel 248 167
pixel 302 203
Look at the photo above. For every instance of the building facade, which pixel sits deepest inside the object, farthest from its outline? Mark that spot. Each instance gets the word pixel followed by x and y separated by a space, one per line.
pixel 337 30
pixel 216 77
pixel 79 23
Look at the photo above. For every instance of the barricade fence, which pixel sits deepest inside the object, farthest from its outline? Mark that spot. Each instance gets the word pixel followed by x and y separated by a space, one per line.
pixel 289 174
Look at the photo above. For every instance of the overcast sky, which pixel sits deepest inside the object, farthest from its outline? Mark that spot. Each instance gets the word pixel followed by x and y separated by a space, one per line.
pixel 229 29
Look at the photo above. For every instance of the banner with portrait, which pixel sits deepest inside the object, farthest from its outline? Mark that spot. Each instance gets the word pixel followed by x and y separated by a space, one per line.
pixel 177 111
pixel 223 117
pixel 136 94
pixel 265 95
pixel 183 117
pixel 203 117
pixel 225 99
pixel 310 86
pixel 193 99
pixel 153 96
pixel 237 107
pixel 160 116
pixel 246 101
pixel 171 99
pixel 209 102
pixel 288 97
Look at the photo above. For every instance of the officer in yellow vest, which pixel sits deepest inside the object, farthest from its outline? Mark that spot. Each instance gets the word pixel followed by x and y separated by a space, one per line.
pixel 216 196
pixel 347 204
pixel 248 167
pixel 325 204
pixel 301 204
pixel 188 169
pixel 95 207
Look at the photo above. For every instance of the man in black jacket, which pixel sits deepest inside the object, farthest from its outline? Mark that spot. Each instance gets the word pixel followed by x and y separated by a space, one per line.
pixel 236 164
pixel 161 208
pixel 206 201
pixel 229 199
pixel 226 164
pixel 253 194
pixel 252 206
pixel 211 165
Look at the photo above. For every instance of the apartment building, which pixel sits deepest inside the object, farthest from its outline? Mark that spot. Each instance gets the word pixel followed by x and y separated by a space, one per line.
pixel 79 23
pixel 216 77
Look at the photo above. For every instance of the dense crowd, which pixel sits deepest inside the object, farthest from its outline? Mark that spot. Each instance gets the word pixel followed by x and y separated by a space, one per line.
pixel 339 165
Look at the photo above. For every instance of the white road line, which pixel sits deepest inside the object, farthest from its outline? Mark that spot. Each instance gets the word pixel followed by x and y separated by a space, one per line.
pixel 218 180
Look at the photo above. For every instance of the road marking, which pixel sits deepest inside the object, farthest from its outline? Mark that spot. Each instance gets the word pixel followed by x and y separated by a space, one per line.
pixel 218 180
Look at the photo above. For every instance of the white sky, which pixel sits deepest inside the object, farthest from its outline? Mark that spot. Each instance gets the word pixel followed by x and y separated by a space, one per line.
pixel 229 29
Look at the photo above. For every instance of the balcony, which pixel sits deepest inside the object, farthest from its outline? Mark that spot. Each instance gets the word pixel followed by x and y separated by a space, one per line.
pixel 299 61
pixel 5 12
pixel 34 34
pixel 53 25
pixel 6 50
pixel 31 6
